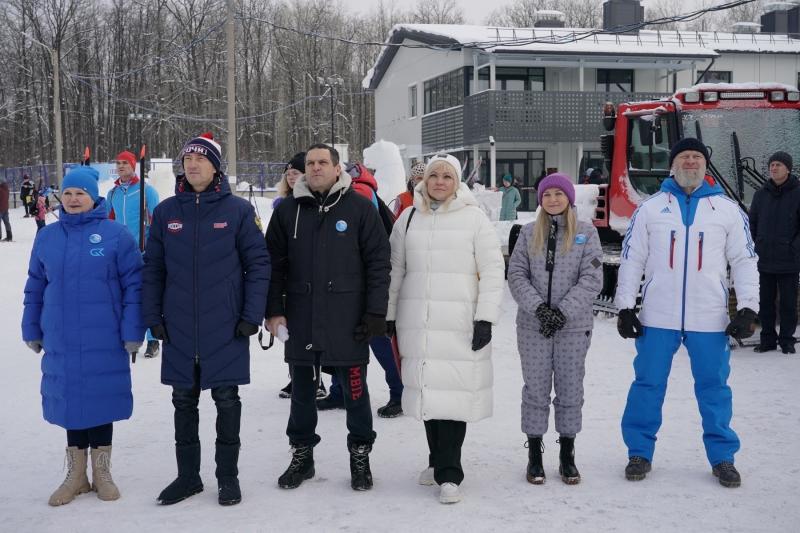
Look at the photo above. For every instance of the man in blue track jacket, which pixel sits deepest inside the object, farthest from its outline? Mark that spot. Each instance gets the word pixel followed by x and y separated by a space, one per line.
pixel 682 240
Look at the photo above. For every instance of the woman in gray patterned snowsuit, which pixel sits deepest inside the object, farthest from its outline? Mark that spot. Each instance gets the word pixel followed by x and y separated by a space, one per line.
pixel 554 274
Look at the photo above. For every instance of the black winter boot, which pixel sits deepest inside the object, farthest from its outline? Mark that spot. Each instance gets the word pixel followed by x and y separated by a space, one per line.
pixel 188 482
pixel 360 474
pixel 727 474
pixel 637 468
pixel 227 458
pixel 567 469
pixel 535 471
pixel 300 469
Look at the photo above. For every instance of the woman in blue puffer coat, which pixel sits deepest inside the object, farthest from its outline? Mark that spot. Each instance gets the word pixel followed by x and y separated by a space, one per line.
pixel 82 306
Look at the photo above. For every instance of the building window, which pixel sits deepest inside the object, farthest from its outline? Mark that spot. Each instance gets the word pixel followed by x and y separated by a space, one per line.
pixel 412 101
pixel 614 81
pixel 445 91
pixel 507 79
pixel 717 76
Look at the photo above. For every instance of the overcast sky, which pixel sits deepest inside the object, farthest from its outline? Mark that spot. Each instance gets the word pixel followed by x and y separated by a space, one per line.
pixel 476 11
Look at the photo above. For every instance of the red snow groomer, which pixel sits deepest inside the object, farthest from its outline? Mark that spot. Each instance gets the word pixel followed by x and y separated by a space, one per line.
pixel 742 124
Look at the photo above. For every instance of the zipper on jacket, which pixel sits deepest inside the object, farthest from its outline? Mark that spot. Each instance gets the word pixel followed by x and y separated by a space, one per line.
pixel 700 252
pixel 685 263
pixel 194 274
pixel 671 248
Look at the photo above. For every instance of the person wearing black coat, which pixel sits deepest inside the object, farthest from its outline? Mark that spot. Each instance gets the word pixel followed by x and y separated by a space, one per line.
pixel 205 283
pixel 26 195
pixel 330 290
pixel 775 227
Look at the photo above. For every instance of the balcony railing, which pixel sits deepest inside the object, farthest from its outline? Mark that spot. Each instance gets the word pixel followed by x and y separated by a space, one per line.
pixel 522 116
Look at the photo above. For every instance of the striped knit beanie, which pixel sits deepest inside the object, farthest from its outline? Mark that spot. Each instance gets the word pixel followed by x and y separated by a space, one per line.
pixel 206 146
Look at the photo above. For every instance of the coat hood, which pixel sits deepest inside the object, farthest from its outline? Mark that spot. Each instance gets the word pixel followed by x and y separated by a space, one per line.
pixel 789 185
pixel 98 212
pixel 706 189
pixel 342 184
pixel 463 198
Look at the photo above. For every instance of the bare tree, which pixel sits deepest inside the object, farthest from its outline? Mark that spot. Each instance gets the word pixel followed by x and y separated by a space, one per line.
pixel 437 12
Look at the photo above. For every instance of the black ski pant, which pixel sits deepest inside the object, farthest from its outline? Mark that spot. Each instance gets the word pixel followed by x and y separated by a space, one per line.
pixel 95 437
pixel 302 425
pixel 187 416
pixel 445 438
pixel 774 287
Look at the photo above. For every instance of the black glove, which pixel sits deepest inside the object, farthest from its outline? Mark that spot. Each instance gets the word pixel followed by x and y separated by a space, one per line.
pixel 743 324
pixel 481 334
pixel 628 324
pixel 550 320
pixel 160 333
pixel 391 328
pixel 245 329
pixel 371 326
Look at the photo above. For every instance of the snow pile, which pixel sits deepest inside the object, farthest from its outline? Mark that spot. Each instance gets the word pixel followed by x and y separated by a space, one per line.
pixel 384 158
pixel 586 201
pixel 489 200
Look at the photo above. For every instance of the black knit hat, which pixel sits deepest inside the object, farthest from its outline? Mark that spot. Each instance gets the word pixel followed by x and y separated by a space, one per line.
pixel 688 143
pixel 297 162
pixel 781 157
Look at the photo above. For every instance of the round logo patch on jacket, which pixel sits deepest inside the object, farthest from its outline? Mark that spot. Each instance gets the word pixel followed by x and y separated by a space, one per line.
pixel 580 238
pixel 341 226
pixel 174 226
pixel 95 238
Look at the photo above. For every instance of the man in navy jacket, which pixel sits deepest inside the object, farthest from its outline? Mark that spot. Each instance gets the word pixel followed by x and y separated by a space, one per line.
pixel 206 278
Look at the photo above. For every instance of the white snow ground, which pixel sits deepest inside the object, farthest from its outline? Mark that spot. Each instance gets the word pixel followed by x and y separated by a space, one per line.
pixel 679 495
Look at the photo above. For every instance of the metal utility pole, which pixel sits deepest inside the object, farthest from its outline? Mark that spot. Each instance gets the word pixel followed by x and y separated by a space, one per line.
pixel 231 71
pixel 57 116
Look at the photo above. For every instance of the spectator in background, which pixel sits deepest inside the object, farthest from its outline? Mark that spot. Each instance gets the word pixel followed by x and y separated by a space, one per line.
pixel 775 226
pixel 293 171
pixel 511 199
pixel 26 195
pixel 4 210
pixel 124 206
pixel 39 210
pixel 405 199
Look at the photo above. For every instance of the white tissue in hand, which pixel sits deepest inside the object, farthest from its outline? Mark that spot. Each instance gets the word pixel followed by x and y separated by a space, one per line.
pixel 283 333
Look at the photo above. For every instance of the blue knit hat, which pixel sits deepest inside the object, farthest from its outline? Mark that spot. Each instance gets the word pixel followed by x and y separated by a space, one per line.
pixel 84 178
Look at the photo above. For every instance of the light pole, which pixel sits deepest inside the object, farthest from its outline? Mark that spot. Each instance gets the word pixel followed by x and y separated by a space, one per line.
pixel 231 73
pixel 56 107
pixel 331 83
pixel 139 119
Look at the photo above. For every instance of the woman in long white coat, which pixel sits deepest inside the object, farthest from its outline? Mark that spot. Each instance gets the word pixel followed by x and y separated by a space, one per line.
pixel 445 294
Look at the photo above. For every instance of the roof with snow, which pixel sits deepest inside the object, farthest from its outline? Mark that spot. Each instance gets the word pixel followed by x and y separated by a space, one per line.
pixel 584 42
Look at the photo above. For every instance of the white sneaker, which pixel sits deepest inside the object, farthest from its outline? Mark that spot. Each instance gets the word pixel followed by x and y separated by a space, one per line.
pixel 426 477
pixel 449 493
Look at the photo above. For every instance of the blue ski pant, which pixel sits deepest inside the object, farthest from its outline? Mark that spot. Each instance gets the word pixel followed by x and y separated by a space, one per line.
pixel 382 348
pixel 709 356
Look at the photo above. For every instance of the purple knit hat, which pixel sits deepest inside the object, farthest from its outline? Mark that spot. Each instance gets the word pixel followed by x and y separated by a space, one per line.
pixel 558 181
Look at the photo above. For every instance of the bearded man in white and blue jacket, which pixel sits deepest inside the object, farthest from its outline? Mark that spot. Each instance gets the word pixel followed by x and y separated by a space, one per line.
pixel 682 240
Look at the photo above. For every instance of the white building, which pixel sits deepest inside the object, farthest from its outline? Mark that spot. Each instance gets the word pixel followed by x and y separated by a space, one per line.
pixel 537 93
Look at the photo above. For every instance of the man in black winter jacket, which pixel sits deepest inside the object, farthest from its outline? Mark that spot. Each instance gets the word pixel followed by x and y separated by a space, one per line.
pixel 330 290
pixel 775 226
